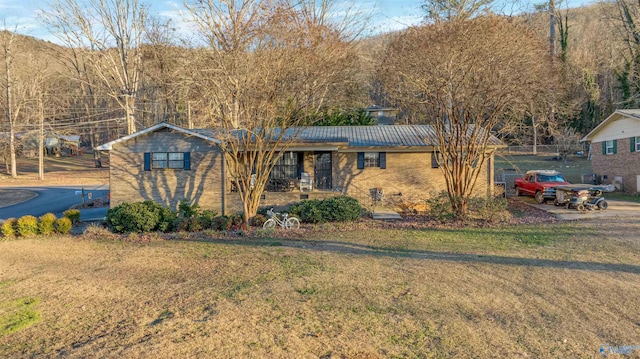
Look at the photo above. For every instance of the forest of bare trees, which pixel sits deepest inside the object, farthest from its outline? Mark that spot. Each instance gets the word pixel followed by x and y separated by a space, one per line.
pixel 258 65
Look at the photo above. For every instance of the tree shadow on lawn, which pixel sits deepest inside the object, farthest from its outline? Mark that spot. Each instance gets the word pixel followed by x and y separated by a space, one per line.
pixel 368 250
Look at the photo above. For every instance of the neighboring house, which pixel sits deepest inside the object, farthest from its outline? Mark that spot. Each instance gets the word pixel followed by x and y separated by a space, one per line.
pixel 383 115
pixel 166 163
pixel 615 150
pixel 27 143
pixel 54 144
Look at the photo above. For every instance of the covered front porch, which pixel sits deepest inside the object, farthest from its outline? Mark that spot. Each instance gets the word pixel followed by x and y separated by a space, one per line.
pixel 301 172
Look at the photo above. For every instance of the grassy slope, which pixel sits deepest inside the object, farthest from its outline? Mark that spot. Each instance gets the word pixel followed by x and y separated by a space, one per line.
pixel 58 171
pixel 558 291
pixel 573 169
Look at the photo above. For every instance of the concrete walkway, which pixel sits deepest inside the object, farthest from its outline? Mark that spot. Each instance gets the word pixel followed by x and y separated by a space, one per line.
pixel 615 209
pixel 385 214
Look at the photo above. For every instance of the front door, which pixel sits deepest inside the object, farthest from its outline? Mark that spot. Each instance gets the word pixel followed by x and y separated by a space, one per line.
pixel 322 170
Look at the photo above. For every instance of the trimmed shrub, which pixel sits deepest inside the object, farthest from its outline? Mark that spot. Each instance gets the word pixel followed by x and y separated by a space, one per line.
pixel 188 210
pixel 221 223
pixel 135 217
pixel 258 220
pixel 8 228
pixel 194 224
pixel 180 224
pixel 190 218
pixel 167 220
pixel 334 209
pixel 344 208
pixel 205 217
pixel 47 224
pixel 491 210
pixel 73 215
pixel 439 206
pixel 27 226
pixel 63 225
pixel 236 219
pixel 311 211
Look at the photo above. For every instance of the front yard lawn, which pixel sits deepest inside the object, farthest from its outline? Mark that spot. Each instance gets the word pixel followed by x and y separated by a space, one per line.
pixel 369 290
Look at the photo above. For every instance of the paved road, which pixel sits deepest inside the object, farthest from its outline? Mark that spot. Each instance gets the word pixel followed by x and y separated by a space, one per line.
pixel 56 200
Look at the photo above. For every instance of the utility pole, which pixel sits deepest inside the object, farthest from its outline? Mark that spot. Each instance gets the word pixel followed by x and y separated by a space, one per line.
pixel 41 141
pixel 190 123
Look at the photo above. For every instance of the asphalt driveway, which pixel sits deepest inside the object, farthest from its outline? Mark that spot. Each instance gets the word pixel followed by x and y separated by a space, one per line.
pixel 615 209
pixel 56 199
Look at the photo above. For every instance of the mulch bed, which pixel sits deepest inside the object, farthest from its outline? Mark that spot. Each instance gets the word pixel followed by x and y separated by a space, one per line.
pixel 521 214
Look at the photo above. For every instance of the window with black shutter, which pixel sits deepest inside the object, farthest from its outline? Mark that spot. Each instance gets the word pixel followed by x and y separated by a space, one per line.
pixel 167 160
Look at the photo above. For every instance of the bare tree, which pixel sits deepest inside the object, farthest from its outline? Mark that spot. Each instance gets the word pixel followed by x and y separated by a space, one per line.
pixel 24 75
pixel 266 63
pixel 110 33
pixel 469 78
pixel 7 52
pixel 449 10
pixel 567 142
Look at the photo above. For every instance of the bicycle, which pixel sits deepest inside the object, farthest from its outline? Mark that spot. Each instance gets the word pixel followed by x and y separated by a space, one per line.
pixel 286 222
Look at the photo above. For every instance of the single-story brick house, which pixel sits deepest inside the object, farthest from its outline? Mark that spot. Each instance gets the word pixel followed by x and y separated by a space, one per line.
pixel 166 163
pixel 615 150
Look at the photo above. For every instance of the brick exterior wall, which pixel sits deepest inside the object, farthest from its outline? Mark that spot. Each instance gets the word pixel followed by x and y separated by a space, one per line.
pixel 407 180
pixel 624 163
pixel 202 184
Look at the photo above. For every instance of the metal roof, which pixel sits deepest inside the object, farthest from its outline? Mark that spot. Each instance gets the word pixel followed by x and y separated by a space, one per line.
pixel 370 136
pixel 353 136
pixel 363 136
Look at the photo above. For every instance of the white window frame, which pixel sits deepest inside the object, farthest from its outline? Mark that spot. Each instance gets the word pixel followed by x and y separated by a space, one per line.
pixel 637 142
pixel 609 147
pixel 167 160
pixel 371 159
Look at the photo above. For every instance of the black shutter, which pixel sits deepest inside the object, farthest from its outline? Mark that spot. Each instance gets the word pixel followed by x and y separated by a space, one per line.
pixel 604 147
pixel 615 146
pixel 187 161
pixel 360 160
pixel 383 159
pixel 147 161
pixel 632 145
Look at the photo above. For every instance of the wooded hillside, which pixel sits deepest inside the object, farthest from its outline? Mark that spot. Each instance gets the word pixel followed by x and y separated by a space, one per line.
pixel 105 88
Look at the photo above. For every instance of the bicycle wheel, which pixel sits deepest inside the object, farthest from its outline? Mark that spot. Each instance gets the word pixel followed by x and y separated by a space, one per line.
pixel 269 224
pixel 292 223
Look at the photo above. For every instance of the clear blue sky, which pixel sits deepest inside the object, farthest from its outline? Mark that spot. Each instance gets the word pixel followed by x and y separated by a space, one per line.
pixel 387 15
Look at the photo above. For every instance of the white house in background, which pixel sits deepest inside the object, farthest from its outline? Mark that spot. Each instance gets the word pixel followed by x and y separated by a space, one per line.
pixel 615 150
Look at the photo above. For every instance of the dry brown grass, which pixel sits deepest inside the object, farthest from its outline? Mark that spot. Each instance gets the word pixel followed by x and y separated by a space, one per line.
pixel 330 292
pixel 76 170
pixel 9 198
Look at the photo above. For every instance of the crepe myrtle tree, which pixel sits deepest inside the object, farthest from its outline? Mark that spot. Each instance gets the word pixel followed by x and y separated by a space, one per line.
pixel 264 62
pixel 467 78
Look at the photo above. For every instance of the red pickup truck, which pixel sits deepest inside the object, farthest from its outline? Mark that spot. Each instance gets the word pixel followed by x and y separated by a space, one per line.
pixel 540 183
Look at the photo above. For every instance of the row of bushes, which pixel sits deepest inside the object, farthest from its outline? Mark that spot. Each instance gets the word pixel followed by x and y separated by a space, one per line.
pixel 46 224
pixel 148 216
